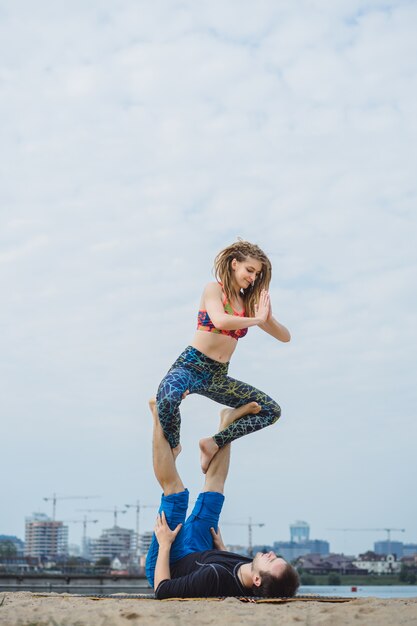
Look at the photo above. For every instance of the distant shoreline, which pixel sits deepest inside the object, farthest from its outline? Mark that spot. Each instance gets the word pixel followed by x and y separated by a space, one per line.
pixel 372 580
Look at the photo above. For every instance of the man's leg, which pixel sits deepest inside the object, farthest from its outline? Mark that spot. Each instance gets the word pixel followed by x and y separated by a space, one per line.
pixel 174 501
pixel 208 506
pixel 164 458
pixel 219 467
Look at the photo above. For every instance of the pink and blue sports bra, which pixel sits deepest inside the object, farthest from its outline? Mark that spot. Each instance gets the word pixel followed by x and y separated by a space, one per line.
pixel 204 322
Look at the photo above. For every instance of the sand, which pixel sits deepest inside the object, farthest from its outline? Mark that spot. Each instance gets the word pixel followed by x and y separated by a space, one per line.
pixel 29 609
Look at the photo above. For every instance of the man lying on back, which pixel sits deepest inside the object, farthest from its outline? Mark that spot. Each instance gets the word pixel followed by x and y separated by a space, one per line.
pixel 187 557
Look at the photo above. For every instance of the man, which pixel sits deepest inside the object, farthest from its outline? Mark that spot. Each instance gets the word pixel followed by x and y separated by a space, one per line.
pixel 188 559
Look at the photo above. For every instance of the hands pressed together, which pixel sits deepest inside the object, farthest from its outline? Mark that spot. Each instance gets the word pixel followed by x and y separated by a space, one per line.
pixel 263 309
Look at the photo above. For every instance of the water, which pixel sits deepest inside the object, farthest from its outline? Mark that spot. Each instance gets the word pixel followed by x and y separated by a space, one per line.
pixel 394 591
pixel 390 591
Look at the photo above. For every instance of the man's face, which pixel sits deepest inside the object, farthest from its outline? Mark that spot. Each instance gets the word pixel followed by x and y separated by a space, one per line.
pixel 268 562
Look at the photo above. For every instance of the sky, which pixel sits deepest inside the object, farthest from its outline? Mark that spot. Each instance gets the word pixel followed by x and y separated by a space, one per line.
pixel 138 139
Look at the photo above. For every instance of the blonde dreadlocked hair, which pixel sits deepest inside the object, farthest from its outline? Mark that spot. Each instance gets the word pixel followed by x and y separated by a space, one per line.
pixel 240 251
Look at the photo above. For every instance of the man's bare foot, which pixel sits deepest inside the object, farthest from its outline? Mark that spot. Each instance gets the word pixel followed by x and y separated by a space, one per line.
pixel 154 410
pixel 228 416
pixel 208 448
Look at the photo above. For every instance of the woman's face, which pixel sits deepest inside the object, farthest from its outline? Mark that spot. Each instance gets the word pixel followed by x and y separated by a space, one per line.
pixel 245 272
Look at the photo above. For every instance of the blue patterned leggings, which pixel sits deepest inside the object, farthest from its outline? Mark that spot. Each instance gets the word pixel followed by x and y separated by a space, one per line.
pixel 196 372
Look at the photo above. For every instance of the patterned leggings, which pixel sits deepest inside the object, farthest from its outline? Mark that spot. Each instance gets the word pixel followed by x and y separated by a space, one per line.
pixel 196 372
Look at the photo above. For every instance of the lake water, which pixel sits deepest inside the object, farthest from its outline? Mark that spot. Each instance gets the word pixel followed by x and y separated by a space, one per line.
pixel 405 591
pixel 392 591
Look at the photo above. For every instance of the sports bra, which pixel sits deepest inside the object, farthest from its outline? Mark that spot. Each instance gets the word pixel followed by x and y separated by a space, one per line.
pixel 204 322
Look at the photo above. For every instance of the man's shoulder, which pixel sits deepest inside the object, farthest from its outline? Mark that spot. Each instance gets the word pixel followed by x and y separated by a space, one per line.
pixel 223 555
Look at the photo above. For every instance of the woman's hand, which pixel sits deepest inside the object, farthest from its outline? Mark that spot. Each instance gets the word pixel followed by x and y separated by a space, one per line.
pixel 269 316
pixel 263 307
pixel 275 328
pixel 217 539
pixel 269 311
pixel 165 536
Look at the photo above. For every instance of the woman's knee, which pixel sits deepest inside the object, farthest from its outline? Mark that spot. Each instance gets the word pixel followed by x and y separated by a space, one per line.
pixel 274 413
pixel 168 397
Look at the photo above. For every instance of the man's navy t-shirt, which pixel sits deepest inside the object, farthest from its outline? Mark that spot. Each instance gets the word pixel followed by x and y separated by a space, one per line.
pixel 211 573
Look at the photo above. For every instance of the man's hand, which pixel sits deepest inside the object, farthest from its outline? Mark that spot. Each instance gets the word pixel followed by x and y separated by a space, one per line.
pixel 217 539
pixel 164 535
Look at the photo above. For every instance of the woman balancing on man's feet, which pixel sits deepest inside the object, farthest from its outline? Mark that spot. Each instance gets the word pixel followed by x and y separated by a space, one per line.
pixel 237 300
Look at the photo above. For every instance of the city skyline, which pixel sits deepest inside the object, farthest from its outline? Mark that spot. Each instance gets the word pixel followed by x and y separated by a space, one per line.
pixel 373 542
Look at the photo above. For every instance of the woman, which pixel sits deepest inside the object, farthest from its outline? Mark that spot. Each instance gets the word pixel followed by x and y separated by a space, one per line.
pixel 239 299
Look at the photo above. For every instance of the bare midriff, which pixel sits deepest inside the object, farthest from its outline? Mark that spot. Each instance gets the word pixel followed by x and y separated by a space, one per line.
pixel 217 347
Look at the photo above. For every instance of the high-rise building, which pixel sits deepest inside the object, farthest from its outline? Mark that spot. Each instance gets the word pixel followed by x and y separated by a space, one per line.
pixel 144 544
pixel 409 549
pixel 389 547
pixel 45 537
pixel 145 541
pixel 290 550
pixel 113 542
pixel 300 543
pixel 300 532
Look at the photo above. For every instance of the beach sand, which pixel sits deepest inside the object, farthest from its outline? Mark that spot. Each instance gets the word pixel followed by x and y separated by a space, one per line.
pixel 31 609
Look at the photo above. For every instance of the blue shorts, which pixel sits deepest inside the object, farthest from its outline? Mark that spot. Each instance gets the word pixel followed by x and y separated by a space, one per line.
pixel 195 535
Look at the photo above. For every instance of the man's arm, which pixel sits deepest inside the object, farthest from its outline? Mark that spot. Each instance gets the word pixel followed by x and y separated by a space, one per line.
pixel 162 569
pixel 166 538
pixel 202 583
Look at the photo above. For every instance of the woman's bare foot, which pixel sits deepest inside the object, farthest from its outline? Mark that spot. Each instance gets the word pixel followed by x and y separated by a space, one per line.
pixel 208 448
pixel 152 406
pixel 228 416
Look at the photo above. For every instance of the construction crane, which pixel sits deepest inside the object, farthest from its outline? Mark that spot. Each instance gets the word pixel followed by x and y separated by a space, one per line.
pixel 138 506
pixel 115 512
pixel 386 530
pixel 84 522
pixel 249 526
pixel 54 498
